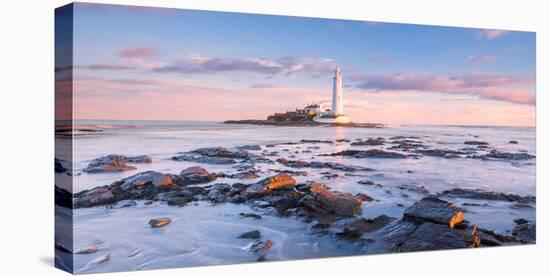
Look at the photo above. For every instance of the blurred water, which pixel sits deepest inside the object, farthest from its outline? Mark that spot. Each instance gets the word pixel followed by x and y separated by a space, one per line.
pixel 204 234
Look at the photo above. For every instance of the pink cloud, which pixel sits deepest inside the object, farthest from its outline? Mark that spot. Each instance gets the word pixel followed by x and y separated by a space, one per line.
pixel 486 86
pixel 134 52
pixel 490 34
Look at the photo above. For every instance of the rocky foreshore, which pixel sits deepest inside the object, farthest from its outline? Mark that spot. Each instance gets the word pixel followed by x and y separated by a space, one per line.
pixel 433 221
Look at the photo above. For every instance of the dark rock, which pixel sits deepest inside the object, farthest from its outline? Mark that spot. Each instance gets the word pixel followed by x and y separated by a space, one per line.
pixel 195 175
pixel 325 201
pixel 343 141
pixel 250 147
pixel 109 163
pixel 513 142
pixel 204 159
pixel 476 143
pixel 521 221
pixel 485 195
pixel 431 236
pixel 366 182
pixel 431 209
pixel 159 222
pixel 63 197
pixel 354 229
pixel 525 232
pixel 59 166
pixel 373 153
pixel 497 155
pixel 276 182
pixel 440 153
pixel 97 196
pixel 261 247
pixel 370 142
pixel 250 215
pixel 316 141
pixel 139 159
pixel 255 234
pixel 124 203
pixel 363 197
pixel 320 165
pixel 289 172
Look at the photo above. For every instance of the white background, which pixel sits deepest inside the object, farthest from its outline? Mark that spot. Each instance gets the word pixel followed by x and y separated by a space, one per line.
pixel 27 114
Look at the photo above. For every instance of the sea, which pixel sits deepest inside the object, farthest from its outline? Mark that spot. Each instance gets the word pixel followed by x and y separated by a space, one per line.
pixel 205 233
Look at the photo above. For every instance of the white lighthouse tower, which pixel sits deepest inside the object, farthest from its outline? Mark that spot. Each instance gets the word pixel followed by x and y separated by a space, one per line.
pixel 337 104
pixel 336 115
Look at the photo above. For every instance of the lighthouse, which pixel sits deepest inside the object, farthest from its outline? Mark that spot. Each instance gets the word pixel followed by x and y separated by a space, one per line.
pixel 337 104
pixel 336 115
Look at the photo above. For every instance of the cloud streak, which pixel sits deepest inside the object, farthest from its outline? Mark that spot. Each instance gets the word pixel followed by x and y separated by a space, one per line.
pixel 136 52
pixel 490 34
pixel 486 86
pixel 196 64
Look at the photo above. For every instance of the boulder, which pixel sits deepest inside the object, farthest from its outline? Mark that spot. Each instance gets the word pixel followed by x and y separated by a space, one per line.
pixel 525 232
pixel 431 209
pixel 276 182
pixel 159 222
pixel 497 155
pixel 97 196
pixel 254 234
pixel 370 142
pixel 323 200
pixel 195 175
pixel 109 163
pixel 204 159
pixel 476 143
pixel 432 236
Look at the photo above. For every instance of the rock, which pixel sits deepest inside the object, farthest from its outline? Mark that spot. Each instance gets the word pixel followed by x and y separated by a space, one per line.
pixel 59 166
pixel 370 142
pixel 513 142
pixel 363 197
pixel 521 221
pixel 195 175
pixel 315 141
pixel 261 247
pixel 240 175
pixel 373 153
pixel 354 229
pixel 139 159
pixel 255 234
pixel 486 195
pixel 250 215
pixel 101 259
pixel 440 153
pixel 204 159
pixel 525 232
pixel 97 196
pixel 320 165
pixel 179 199
pixel 325 201
pixel 431 209
pixel 250 147
pixel 279 181
pixel 88 250
pixel 366 182
pixel 343 140
pixel 159 222
pixel 497 155
pixel 261 258
pixel 63 197
pixel 143 185
pixel 109 163
pixel 431 236
pixel 476 143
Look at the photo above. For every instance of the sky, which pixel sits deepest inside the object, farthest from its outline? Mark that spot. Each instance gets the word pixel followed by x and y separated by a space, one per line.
pixel 138 63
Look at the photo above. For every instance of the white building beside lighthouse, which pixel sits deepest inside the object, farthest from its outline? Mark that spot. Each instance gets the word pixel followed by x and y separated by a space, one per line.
pixel 336 115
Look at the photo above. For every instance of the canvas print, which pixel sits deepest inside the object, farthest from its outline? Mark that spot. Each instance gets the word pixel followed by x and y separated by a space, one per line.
pixel 194 138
